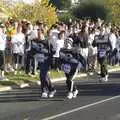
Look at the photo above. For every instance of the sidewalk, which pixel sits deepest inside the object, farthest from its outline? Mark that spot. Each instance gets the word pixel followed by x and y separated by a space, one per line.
pixel 81 75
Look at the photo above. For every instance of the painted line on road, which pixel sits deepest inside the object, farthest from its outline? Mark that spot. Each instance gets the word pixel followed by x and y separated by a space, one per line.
pixel 80 108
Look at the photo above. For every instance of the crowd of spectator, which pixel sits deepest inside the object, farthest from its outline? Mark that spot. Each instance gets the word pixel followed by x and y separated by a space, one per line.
pixel 16 37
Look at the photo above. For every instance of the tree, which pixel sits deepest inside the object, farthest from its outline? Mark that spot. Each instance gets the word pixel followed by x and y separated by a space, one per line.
pixel 32 12
pixel 91 9
pixel 114 6
pixel 3 10
pixel 61 4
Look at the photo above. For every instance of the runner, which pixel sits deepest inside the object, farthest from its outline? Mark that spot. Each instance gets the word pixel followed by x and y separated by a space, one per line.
pixel 103 45
pixel 43 52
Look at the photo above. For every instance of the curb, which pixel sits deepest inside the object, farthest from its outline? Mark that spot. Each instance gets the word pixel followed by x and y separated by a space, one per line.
pixel 79 76
pixel 82 75
pixel 114 70
pixel 24 85
pixel 8 88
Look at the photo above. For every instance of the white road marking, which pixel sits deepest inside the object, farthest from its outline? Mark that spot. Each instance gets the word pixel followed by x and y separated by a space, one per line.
pixel 80 108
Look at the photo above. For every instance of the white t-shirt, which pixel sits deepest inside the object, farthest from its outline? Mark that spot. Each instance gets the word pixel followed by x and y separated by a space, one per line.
pixel 18 41
pixel 118 47
pixel 113 40
pixel 54 36
pixel 92 50
pixel 118 44
pixel 31 35
pixel 59 44
pixel 2 42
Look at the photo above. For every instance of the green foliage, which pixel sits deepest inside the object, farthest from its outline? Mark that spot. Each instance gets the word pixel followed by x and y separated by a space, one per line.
pixel 91 9
pixel 66 16
pixel 114 6
pixel 61 4
pixel 38 11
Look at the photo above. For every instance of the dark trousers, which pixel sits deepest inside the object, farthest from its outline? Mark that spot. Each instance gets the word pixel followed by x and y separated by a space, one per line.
pixel 113 60
pixel 29 63
pixel 70 77
pixel 44 76
pixel 2 60
pixel 83 62
pixel 55 63
pixel 17 58
pixel 103 65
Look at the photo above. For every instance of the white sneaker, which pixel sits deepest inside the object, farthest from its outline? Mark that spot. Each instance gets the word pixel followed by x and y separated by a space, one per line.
pixel 75 93
pixel 102 79
pixel 106 78
pixel 44 95
pixel 70 95
pixel 52 94
pixel 36 73
pixel 11 69
pixel 31 75
pixel 15 72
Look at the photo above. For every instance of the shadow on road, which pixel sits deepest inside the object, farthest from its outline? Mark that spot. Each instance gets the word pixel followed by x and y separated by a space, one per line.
pixel 85 89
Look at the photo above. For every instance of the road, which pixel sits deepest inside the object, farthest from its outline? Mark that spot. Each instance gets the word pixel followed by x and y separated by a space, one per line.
pixel 96 101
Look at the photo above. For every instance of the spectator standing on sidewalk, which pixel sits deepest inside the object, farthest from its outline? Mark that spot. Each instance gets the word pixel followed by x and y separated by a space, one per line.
pixel 59 44
pixel 29 61
pixel 118 47
pixel 113 41
pixel 18 41
pixel 92 51
pixel 10 31
pixel 2 52
pixel 83 40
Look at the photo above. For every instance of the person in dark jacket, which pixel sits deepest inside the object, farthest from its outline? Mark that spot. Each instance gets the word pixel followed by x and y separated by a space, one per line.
pixel 103 45
pixel 43 51
pixel 71 63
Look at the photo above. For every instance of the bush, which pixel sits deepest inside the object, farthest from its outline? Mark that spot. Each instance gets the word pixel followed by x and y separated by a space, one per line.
pixel 92 10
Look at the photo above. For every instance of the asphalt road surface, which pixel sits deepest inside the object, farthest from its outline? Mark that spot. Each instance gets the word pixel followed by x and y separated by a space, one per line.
pixel 96 101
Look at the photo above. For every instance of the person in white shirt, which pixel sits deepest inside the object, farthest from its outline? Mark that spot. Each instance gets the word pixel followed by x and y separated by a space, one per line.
pixel 18 42
pixel 2 52
pixel 113 41
pixel 29 60
pixel 118 48
pixel 58 45
pixel 54 34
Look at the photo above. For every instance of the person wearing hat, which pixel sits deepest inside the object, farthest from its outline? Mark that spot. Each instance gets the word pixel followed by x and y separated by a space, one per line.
pixel 2 51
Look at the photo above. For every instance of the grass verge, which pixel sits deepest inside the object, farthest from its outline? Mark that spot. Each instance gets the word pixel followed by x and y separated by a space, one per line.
pixel 19 79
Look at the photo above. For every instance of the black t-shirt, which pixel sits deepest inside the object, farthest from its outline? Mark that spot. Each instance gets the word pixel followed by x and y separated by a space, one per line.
pixel 102 42
pixel 69 55
pixel 42 48
pixel 81 41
